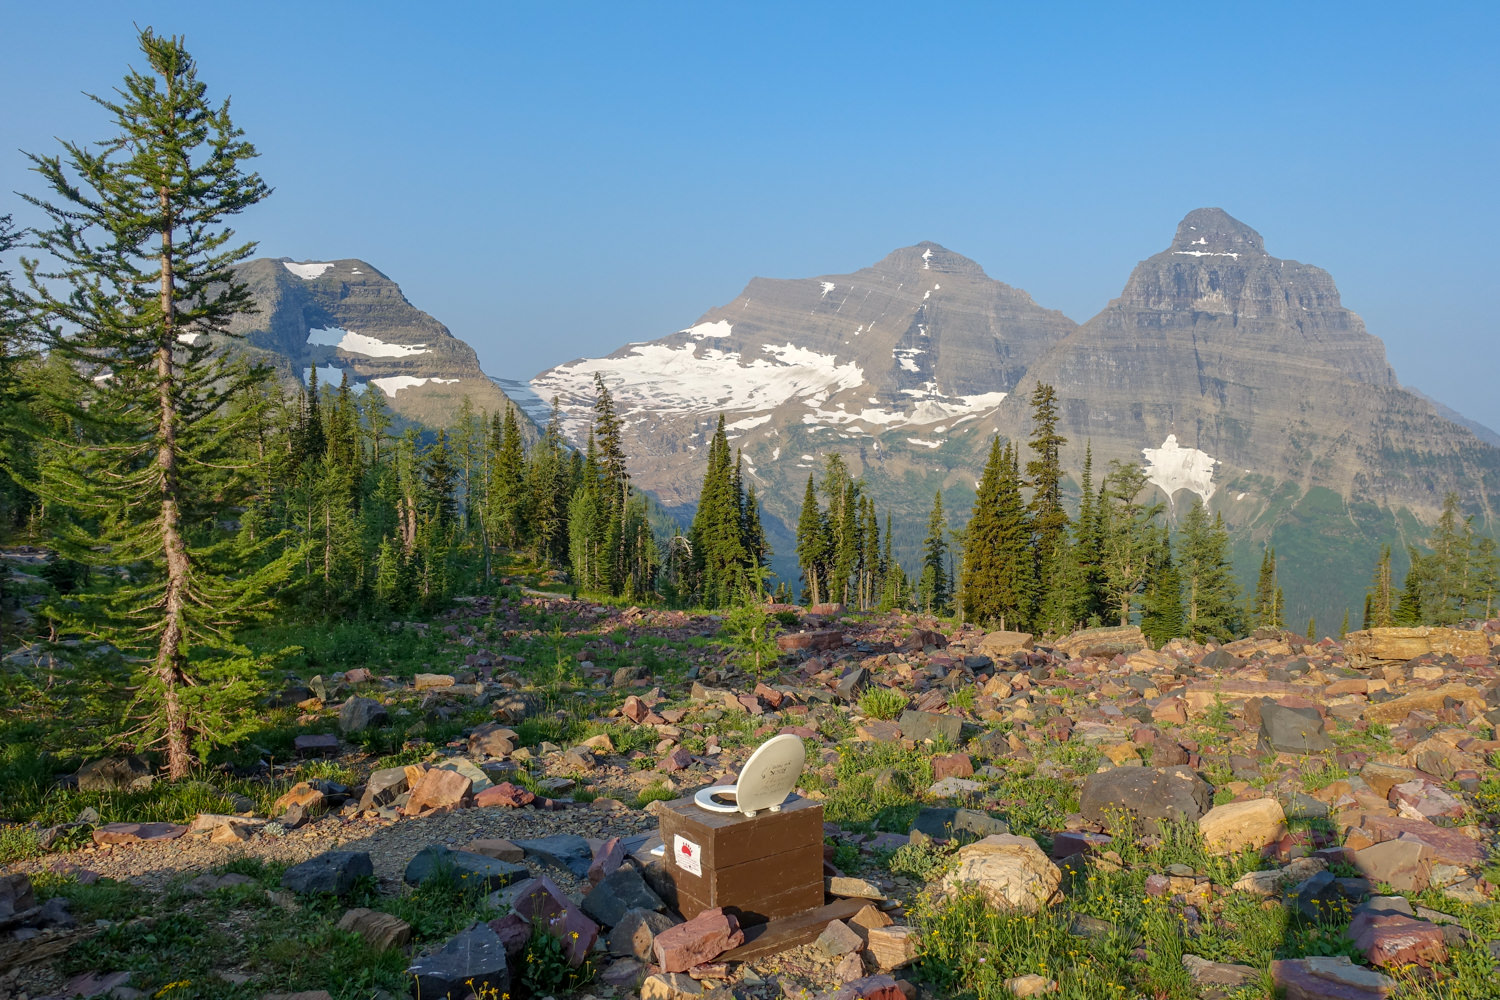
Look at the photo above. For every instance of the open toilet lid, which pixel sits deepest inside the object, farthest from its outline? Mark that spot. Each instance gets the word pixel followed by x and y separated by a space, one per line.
pixel 770 774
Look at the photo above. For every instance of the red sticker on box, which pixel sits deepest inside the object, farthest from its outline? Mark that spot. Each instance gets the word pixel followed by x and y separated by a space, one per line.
pixel 688 854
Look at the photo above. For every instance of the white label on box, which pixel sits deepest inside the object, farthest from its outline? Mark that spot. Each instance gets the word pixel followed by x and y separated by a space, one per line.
pixel 688 854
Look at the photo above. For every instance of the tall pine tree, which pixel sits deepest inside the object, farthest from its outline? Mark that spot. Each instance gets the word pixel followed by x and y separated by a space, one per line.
pixel 145 260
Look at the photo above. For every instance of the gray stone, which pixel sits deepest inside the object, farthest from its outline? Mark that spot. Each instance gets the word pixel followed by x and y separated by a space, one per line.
pixel 567 851
pixel 358 714
pixel 930 726
pixel 1148 795
pixel 115 774
pixel 634 932
pixel 383 787
pixel 473 961
pixel 1318 899
pixel 1293 730
pixel 333 871
pixel 619 892
pixel 958 824
pixel 464 868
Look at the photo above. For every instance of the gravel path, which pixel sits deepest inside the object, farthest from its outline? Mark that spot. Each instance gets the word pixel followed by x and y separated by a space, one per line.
pixel 391 845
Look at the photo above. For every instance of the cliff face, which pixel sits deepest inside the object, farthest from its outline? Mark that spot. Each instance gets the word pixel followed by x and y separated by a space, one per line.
pixel 345 317
pixel 1254 362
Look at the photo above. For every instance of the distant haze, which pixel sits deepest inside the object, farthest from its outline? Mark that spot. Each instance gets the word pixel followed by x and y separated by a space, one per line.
pixel 551 182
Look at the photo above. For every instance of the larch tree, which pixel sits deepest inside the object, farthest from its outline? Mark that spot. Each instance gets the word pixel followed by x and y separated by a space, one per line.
pixel 138 292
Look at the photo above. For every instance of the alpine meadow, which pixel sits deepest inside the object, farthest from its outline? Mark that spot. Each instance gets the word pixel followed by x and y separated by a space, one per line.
pixel 878 634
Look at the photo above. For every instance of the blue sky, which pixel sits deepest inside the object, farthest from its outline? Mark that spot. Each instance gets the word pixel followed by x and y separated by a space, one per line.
pixel 554 180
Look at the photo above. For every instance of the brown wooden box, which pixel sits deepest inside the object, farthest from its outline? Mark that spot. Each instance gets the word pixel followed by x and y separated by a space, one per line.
pixel 757 867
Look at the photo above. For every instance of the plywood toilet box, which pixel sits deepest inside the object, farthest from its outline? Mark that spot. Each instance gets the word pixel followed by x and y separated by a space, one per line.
pixel 753 850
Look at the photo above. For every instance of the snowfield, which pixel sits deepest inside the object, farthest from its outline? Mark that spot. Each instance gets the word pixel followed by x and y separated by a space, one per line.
pixel 308 271
pixel 358 343
pixel 1172 468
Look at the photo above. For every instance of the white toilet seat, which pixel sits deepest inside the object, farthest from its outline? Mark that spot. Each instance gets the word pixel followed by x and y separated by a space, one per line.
pixel 706 799
pixel 769 776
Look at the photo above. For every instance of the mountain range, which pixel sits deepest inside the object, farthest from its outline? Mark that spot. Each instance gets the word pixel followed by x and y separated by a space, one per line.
pixel 1224 371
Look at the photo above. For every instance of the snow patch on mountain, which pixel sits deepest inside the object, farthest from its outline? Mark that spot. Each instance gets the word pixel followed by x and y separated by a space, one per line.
pixel 1173 467
pixel 664 378
pixel 392 384
pixel 719 328
pixel 358 343
pixel 308 271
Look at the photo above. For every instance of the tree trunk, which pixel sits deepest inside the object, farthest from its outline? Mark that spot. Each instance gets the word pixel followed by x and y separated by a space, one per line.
pixel 170 654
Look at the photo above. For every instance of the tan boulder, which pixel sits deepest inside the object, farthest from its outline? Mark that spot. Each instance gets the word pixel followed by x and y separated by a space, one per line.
pixel 996 645
pixel 1236 826
pixel 1421 701
pixel 1011 872
pixel 1386 645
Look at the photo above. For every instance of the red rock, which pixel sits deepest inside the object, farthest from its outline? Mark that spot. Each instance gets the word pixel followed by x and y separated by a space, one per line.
pixel 769 695
pixel 1329 979
pixel 676 761
pixel 955 765
pixel 801 732
pixel 542 903
pixel 136 833
pixel 702 939
pixel 634 709
pixel 751 704
pixel 607 857
pixel 438 789
pixel 826 610
pixel 822 639
pixel 1394 939
pixel 504 794
pixel 359 675
pixel 1445 846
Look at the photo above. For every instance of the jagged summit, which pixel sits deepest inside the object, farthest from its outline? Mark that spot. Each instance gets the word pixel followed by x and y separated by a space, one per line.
pixel 1213 232
pixel 928 256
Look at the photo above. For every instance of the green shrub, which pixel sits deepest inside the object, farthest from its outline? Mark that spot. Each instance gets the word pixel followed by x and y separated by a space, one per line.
pixel 882 703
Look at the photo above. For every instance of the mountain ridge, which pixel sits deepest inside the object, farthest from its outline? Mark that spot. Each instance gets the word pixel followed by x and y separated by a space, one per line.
pixel 1220 369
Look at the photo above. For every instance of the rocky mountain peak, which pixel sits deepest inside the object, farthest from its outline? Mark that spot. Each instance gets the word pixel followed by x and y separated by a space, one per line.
pixel 1213 232
pixel 928 256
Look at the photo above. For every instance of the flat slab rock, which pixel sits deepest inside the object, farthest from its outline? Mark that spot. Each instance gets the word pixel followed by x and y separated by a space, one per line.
pixel 137 833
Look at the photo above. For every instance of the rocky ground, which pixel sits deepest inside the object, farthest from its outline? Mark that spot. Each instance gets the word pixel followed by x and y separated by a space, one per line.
pixel 1344 792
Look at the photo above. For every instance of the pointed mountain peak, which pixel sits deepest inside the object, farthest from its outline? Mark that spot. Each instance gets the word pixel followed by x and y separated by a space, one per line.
pixel 929 256
pixel 1213 232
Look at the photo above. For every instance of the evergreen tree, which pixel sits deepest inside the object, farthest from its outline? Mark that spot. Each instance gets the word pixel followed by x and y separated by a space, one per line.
pixel 1129 540
pixel 1344 628
pixel 717 533
pixel 998 583
pixel 145 258
pixel 933 587
pixel 549 488
pixel 1209 590
pixel 1089 542
pixel 1380 600
pixel 812 546
pixel 507 490
pixel 1312 628
pixel 1267 609
pixel 1162 618
pixel 1049 522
